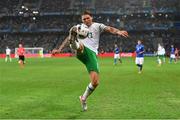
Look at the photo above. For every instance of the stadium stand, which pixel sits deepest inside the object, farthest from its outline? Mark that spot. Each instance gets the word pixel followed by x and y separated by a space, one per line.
pixel 37 23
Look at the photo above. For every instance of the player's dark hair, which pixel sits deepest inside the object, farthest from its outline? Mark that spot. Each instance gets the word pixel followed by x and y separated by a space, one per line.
pixel 87 12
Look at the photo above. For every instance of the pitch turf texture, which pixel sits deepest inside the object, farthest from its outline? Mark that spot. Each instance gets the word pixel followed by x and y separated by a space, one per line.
pixel 50 87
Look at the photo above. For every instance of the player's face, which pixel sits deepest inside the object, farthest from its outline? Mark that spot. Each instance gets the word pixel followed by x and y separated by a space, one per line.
pixel 139 42
pixel 20 45
pixel 87 19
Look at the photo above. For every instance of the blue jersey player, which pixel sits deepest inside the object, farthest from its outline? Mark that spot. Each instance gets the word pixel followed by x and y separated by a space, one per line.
pixel 117 54
pixel 139 55
pixel 172 54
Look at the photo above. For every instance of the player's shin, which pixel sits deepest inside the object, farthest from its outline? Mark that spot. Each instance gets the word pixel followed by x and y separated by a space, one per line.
pixel 115 61
pixel 120 60
pixel 141 67
pixel 170 60
pixel 159 61
pixel 89 89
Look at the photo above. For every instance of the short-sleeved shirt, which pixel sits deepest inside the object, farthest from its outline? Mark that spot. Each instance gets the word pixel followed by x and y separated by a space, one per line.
pixel 8 51
pixel 161 51
pixel 116 50
pixel 92 41
pixel 21 51
pixel 172 50
pixel 139 50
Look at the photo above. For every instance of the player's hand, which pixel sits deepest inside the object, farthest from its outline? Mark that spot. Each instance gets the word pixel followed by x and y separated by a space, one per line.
pixel 55 51
pixel 142 52
pixel 123 33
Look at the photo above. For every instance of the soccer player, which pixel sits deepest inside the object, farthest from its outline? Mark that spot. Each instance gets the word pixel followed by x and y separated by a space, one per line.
pixel 41 53
pixel 177 54
pixel 87 49
pixel 172 54
pixel 139 55
pixel 160 54
pixel 21 53
pixel 116 54
pixel 8 54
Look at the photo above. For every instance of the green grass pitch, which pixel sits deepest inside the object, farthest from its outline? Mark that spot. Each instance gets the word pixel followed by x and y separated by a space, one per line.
pixel 49 88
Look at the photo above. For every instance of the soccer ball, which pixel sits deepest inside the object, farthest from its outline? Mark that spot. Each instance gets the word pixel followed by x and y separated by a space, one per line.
pixel 82 31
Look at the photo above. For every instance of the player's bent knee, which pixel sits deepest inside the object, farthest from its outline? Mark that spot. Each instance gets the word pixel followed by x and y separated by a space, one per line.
pixel 95 83
pixel 94 78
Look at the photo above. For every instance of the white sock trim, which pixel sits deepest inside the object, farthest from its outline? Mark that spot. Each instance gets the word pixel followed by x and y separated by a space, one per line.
pixel 88 91
pixel 91 87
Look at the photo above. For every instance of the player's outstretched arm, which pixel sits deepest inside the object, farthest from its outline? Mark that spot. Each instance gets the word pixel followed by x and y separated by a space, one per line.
pixel 72 32
pixel 54 51
pixel 116 31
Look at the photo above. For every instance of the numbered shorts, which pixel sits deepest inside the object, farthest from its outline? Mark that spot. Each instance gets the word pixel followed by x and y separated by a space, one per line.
pixel 116 56
pixel 21 57
pixel 139 60
pixel 160 56
pixel 89 59
pixel 172 56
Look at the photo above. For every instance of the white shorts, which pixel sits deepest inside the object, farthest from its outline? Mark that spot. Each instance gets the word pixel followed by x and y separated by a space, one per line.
pixel 116 56
pixel 172 56
pixel 139 60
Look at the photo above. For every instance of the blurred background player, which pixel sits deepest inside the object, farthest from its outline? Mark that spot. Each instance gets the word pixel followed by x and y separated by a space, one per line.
pixel 87 49
pixel 139 55
pixel 160 54
pixel 8 54
pixel 172 54
pixel 41 53
pixel 21 53
pixel 116 54
pixel 176 54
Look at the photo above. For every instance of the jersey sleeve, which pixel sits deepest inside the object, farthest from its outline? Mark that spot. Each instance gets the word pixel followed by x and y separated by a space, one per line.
pixel 102 27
